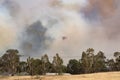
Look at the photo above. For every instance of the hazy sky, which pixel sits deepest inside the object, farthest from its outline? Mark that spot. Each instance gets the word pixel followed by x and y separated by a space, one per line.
pixel 36 27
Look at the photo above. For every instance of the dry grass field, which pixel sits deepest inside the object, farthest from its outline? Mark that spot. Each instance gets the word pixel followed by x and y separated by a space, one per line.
pixel 95 76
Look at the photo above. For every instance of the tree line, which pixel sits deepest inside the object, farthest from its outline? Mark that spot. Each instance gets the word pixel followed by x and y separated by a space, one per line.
pixel 88 63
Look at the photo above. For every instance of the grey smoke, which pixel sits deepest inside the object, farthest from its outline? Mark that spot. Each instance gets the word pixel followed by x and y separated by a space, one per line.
pixel 34 39
pixel 12 6
pixel 40 27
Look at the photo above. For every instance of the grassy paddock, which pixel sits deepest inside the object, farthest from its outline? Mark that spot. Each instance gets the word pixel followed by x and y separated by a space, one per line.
pixel 94 76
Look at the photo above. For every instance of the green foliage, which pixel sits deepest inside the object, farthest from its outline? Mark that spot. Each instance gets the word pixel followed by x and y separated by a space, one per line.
pixel 45 64
pixel 34 66
pixel 10 61
pixel 57 64
pixel 117 60
pixel 99 62
pixel 93 63
pixel 111 65
pixel 89 63
pixel 74 67
pixel 22 66
pixel 87 60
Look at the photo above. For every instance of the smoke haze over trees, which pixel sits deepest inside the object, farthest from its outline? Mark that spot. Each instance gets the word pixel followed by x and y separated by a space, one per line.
pixel 89 62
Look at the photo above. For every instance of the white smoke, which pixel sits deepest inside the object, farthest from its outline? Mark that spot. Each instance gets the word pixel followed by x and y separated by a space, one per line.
pixel 60 18
pixel 8 30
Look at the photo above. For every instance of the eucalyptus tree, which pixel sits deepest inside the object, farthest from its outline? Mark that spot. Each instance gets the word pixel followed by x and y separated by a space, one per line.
pixel 99 62
pixel 74 67
pixel 117 60
pixel 11 61
pixel 45 64
pixel 87 60
pixel 57 64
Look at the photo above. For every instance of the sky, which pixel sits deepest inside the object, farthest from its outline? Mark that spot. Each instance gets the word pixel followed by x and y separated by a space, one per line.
pixel 37 27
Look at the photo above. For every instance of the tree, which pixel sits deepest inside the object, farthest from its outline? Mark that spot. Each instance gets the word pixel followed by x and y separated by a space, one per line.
pixel 2 66
pixel 30 66
pixel 37 67
pixel 45 64
pixel 11 61
pixel 57 64
pixel 22 66
pixel 85 63
pixel 99 62
pixel 74 67
pixel 87 60
pixel 34 66
pixel 111 65
pixel 117 60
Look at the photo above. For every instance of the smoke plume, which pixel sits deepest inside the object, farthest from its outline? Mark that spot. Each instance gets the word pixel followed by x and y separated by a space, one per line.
pixel 67 27
pixel 8 31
